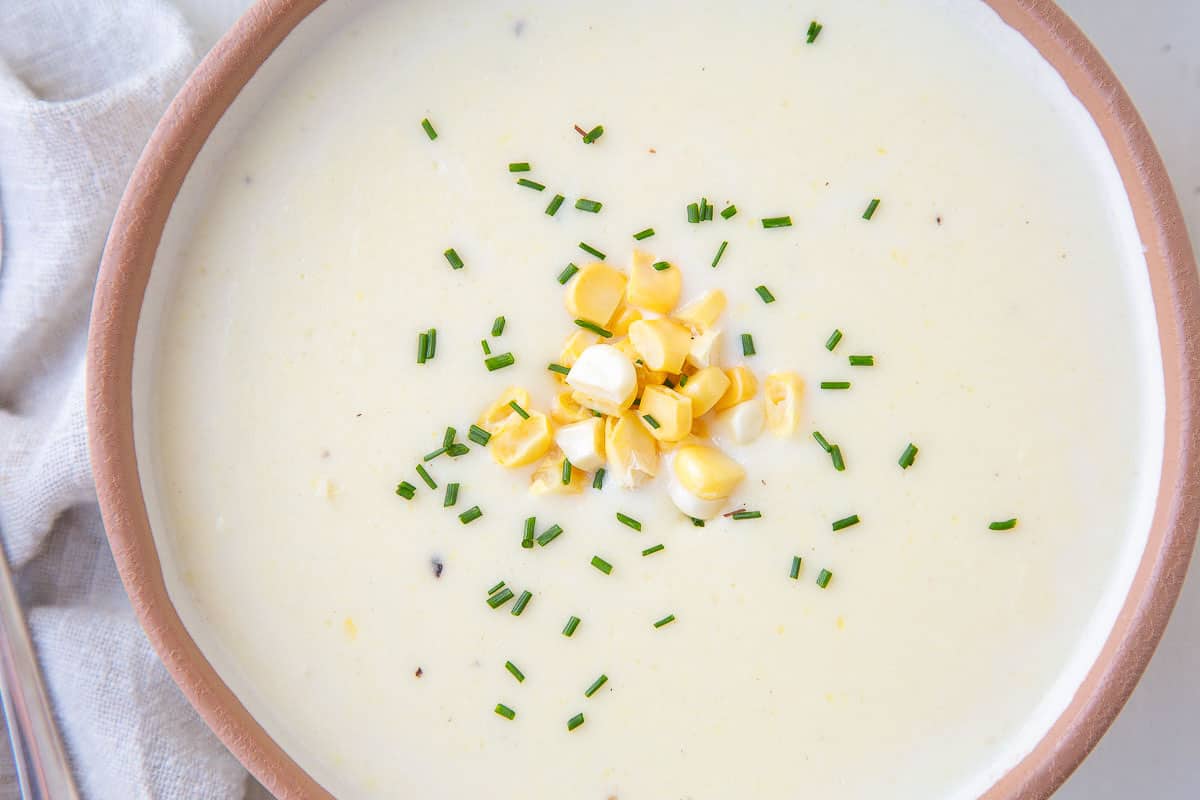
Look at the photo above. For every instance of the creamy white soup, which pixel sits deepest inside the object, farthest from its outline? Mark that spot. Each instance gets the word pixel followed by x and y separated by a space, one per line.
pixel 912 183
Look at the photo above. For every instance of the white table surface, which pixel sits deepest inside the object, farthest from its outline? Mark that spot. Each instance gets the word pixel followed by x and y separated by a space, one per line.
pixel 1153 750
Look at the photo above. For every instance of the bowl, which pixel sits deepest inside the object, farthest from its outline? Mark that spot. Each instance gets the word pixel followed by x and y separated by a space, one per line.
pixel 191 122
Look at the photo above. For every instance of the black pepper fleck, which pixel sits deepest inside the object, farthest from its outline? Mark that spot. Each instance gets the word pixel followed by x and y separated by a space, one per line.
pixel 419 672
pixel 438 566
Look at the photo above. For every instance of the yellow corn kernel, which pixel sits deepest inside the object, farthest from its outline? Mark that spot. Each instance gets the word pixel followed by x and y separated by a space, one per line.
pixel 630 450
pixel 703 312
pixel 626 347
pixel 705 388
pixel 670 410
pixel 521 442
pixel 595 293
pixel 547 478
pixel 575 344
pixel 650 377
pixel 705 349
pixel 661 344
pixel 782 392
pixel 499 414
pixel 622 319
pixel 742 386
pixel 564 410
pixel 706 472
pixel 656 290
pixel 604 406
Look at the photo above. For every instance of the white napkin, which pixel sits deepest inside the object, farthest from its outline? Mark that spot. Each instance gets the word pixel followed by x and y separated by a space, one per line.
pixel 82 83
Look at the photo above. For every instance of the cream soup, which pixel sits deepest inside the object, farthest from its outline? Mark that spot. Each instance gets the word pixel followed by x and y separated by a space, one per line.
pixel 999 285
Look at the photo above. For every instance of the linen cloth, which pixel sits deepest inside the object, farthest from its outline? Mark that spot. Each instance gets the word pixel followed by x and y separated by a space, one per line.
pixel 82 84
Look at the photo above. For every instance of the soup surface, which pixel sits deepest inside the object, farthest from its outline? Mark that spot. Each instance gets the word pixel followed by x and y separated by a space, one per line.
pixel 998 283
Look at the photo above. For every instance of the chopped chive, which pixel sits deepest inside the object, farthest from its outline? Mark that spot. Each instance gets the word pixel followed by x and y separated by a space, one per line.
pixel 568 272
pixel 659 266
pixel 765 294
pixel 628 521
pixel 522 601
pixel 451 495
pixel 574 722
pixel 452 256
pixel 528 184
pixel 833 340
pixel 569 628
pixel 777 222
pixel 814 30
pixel 487 348
pixel 429 131
pixel 835 453
pixel 549 535
pixel 498 326
pixel 500 598
pixel 559 368
pixel 835 384
pixel 1003 525
pixel 746 515
pixel 470 515
pixel 697 523
pixel 747 344
pixel 683 379
pixel 495 588
pixel 667 620
pixel 594 328
pixel 457 449
pixel 602 565
pixel 594 134
pixel 795 572
pixel 730 211
pixel 566 472
pixel 646 234
pixel 591 206
pixel 908 456
pixel 693 212
pixel 862 361
pixel 649 551
pixel 706 210
pixel 406 490
pixel 596 684
pixel 517 408
pixel 821 440
pixel 519 166
pixel 720 252
pixel 434 454
pixel 501 361
pixel 598 480
pixel 431 344
pixel 478 435
pixel 515 671
pixel 527 537
pixel 552 209
pixel 429 481
pixel 651 421
pixel 587 248
pixel 870 212
pixel 505 711
pixel 448 436
pixel 422 347
pixel 845 522
pixel 823 578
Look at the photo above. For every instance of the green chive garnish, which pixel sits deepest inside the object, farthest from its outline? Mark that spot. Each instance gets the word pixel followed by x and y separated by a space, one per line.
pixel 908 456
pixel 667 620
pixel 591 206
pixel 833 340
pixel 697 523
pixel 422 347
pixel 651 421
pixel 845 522
pixel 431 344
pixel 862 361
pixel 499 362
pixel 527 537
pixel 552 209
pixel 598 480
pixel 498 326
pixel 448 436
pixel 505 711
pixel 835 384
pixel 478 435
pixel 452 256
pixel 522 601
pixel 430 482
pixel 566 472
pixel 683 379
pixel 549 535
pixel 649 551
pixel 777 222
pixel 596 684
pixel 434 454
pixel 730 210
pixel 747 344
pixel 1003 525
pixel 406 490
pixel 559 368
pixel 765 294
pixel 814 30
pixel 568 272
pixel 574 722
pixel 429 131
pixel 706 210
pixel 594 134
pixel 470 515
pixel 451 495
pixel 528 184
pixel 569 628
pixel 746 515
pixel 515 671
pixel 628 521
pixel 720 252
pixel 823 578
pixel 517 408
pixel 646 234
pixel 659 266
pixel 594 328
pixel 871 206
pixel 821 440
pixel 602 565
pixel 693 212
pixel 487 348
pixel 835 452
pixel 519 166
pixel 495 588
pixel 500 598
pixel 457 449
pixel 795 573
pixel 587 248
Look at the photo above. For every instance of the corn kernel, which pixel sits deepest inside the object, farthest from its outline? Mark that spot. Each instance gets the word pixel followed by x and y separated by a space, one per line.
pixel 703 312
pixel 782 392
pixel 705 349
pixel 661 344
pixel 500 414
pixel 741 424
pixel 574 346
pixel 604 374
pixel 742 386
pixel 706 472
pixel 521 442
pixel 622 319
pixel 595 293
pixel 547 478
pixel 656 290
pixel 583 443
pixel 670 410
pixel 705 388
pixel 630 450
pixel 693 506
pixel 564 410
